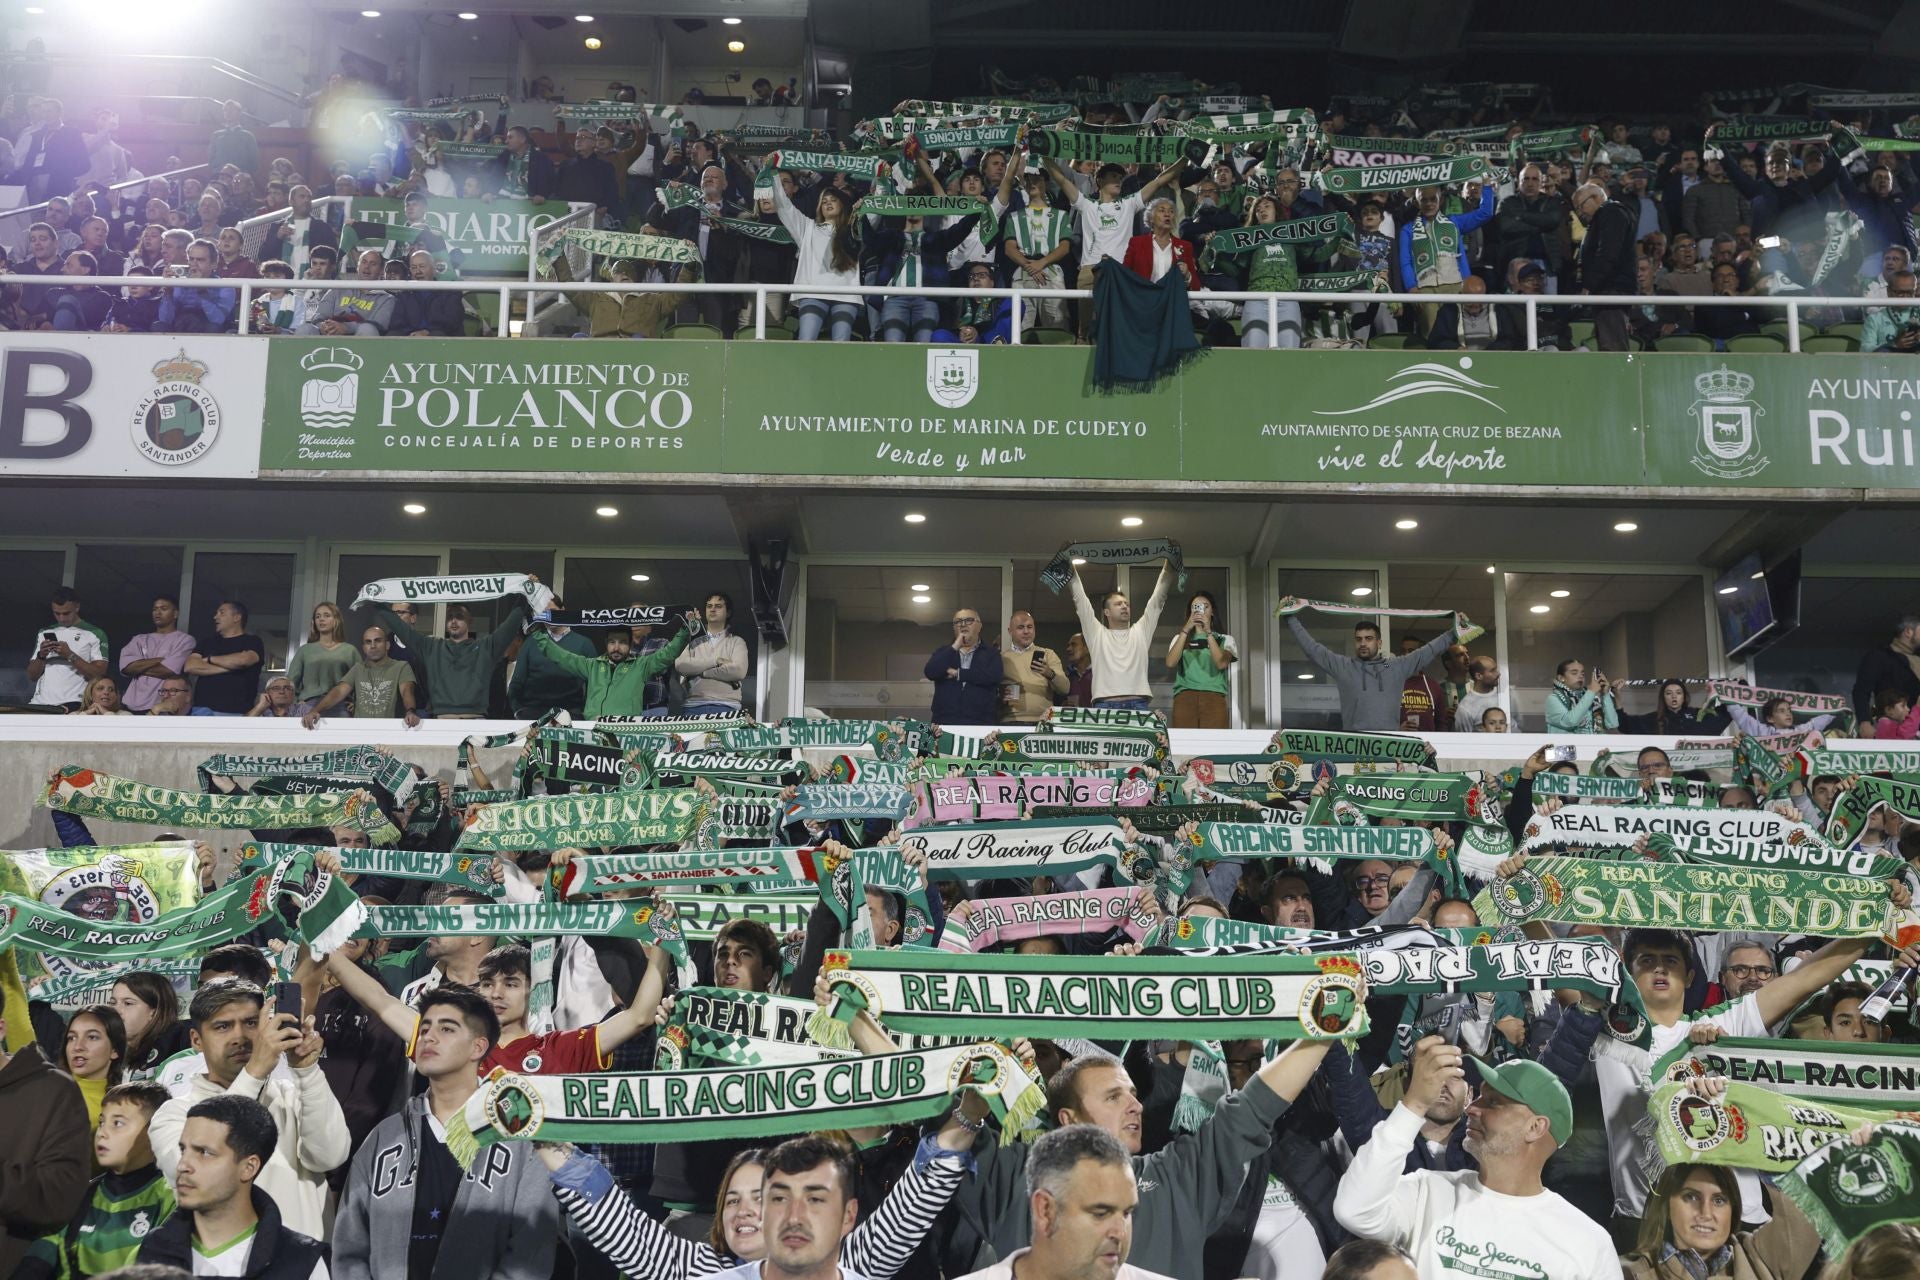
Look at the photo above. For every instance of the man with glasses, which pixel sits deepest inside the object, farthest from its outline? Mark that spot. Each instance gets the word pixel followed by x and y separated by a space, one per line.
pixel 1607 259
pixel 1652 765
pixel 1684 273
pixel 966 675
pixel 1748 967
pixel 176 699
pixel 1895 329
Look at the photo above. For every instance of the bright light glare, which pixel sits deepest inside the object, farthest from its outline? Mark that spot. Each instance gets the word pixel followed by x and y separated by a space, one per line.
pixel 1406 524
pixel 1132 522
pixel 609 512
pixel 1540 608
pixel 1561 594
pixel 414 509
pixel 641 577
pixel 1363 591
pixel 923 599
pixel 1625 526
pixel 914 517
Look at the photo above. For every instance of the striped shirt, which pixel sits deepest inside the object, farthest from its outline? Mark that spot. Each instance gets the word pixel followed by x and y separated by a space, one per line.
pixel 877 1249
pixel 121 1209
pixel 907 274
pixel 1038 230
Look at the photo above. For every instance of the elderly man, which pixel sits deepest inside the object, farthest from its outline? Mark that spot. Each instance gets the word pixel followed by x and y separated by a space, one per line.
pixel 1433 259
pixel 966 674
pixel 198 310
pixel 1607 260
pixel 1031 674
pixel 426 313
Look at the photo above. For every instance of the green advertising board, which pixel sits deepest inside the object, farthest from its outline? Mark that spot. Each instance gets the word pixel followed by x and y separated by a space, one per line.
pixel 1247 420
pixel 491 234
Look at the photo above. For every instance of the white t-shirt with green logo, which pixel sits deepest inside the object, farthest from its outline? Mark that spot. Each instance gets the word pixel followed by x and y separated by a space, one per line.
pixel 1455 1228
pixel 1105 228
pixel 1284 1245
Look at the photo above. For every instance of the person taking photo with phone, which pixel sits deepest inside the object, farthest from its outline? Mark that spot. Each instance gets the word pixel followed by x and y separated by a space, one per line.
pixel 1201 653
pixel 1031 674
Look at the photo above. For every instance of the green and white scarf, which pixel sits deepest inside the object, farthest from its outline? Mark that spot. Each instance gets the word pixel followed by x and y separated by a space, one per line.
pixel 102 795
pixel 1551 141
pixel 1764 128
pixel 1738 694
pixel 938 137
pixel 1066 748
pixel 712 722
pixel 1612 825
pixel 1587 786
pixel 1216 840
pixel 1411 797
pixel 1852 807
pixel 753 229
pixel 1233 241
pixel 680 195
pixel 890 205
pixel 1126 997
pixel 1807 854
pixel 1005 850
pixel 1442 171
pixel 1847 1191
pixel 1464 631
pixel 600 820
pixel 889 739
pixel 1059 570
pixel 1839 764
pixel 1882 1076
pixel 1164 819
pixel 1750 1127
pixel 622 244
pixel 701 915
pixel 601 111
pixel 824 802
pixel 742 1102
pixel 989 922
pixel 730 764
pixel 95 986
pixel 975 110
pixel 583 757
pixel 1683 760
pixel 1074 146
pixel 322 906
pixel 610 872
pixel 463 588
pixel 865 168
pixel 1700 899
pixel 1340 282
pixel 378 767
pixel 641 921
pixel 468 151
pixel 721 1027
pixel 461 870
pixel 1201 1087
pixel 1312 745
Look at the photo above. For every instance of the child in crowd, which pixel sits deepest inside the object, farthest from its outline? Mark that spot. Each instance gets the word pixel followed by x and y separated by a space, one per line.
pixel 123 1205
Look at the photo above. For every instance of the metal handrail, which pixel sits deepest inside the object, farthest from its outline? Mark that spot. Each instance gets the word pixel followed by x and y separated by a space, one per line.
pixel 507 288
pixel 94 61
pixel 188 171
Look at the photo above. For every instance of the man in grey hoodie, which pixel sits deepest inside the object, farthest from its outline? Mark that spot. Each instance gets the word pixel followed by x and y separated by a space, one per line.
pixel 409 1209
pixel 1369 681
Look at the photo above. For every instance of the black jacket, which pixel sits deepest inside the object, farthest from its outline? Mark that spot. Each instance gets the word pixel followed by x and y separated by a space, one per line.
pixel 587 180
pixel 1607 254
pixel 46 1148
pixel 278 1254
pixel 1883 668
pixel 438 313
pixel 974 696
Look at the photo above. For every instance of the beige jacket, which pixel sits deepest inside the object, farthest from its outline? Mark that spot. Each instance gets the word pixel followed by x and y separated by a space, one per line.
pixel 1032 695
pixel 1783 1249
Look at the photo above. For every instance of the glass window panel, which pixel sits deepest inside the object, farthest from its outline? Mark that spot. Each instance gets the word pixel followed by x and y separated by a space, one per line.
pixel 1840 620
pixel 30 579
pixel 1173 616
pixel 607 582
pixel 1630 626
pixel 356 571
pixel 262 581
pixel 117 586
pixel 1308 699
pixel 1053 617
pixel 868 641
pixel 1466 588
pixel 490 613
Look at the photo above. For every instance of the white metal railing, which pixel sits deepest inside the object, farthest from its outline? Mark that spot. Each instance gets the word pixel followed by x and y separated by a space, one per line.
pixel 18 220
pixel 507 288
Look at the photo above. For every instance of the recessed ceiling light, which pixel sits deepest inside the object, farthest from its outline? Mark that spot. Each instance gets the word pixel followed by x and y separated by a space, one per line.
pixel 736 46
pixel 1540 608
pixel 466 17
pixel 1406 524
pixel 1490 569
pixel 914 517
pixel 1561 594
pixel 1363 591
pixel 414 509
pixel 583 17
pixel 641 577
pixel 730 22
pixel 1304 675
pixel 592 42
pixel 369 13
pixel 1755 577
pixel 1625 526
pixel 1079 560
pixel 1727 591
pixel 923 599
pixel 609 512
pixel 1132 522
pixel 35 9
pixel 921 586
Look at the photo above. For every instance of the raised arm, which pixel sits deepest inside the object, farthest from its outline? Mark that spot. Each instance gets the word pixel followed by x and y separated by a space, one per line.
pixel 374 998
pixel 1067 184
pixel 1162 178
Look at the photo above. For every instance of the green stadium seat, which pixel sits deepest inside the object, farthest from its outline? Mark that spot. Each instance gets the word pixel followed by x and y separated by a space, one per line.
pixel 1580 332
pixel 1047 337
pixel 1848 329
pixel 1829 342
pixel 692 330
pixel 1683 342
pixel 1392 341
pixel 774 334
pixel 1778 329
pixel 1753 343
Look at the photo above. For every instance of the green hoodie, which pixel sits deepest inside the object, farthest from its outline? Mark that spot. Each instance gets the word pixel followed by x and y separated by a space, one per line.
pixel 613 689
pixel 459 675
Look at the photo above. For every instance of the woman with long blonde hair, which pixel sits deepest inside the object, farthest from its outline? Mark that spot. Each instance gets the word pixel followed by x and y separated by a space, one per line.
pixel 324 660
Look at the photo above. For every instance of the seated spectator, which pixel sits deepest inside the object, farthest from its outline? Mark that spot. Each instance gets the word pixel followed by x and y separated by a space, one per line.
pixel 102 699
pixel 149 252
pixel 1684 273
pixel 1721 323
pixel 80 308
pixel 982 320
pixel 234 262
pixel 198 310
pixel 1650 323
pixel 356 310
pixel 277 310
pixel 426 314
pixel 93 238
pixel 136 310
pixel 1894 329
pixel 34 307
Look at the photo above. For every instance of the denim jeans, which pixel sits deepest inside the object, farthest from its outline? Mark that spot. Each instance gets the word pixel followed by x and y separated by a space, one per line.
pixel 816 315
pixel 901 315
pixel 1253 324
pixel 1124 704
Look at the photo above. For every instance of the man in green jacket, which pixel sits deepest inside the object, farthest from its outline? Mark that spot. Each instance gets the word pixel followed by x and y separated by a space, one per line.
pixel 617 681
pixel 538 686
pixel 459 668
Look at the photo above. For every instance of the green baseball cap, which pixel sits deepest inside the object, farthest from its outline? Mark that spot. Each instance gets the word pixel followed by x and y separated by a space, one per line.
pixel 1533 1087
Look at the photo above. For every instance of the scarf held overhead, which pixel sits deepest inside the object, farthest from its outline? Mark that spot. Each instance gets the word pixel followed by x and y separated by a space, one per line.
pixel 1059 570
pixel 1465 631
pixel 102 795
pixel 1702 899
pixel 463 589
pixel 1861 1075
pixel 1847 1190
pixel 600 820
pixel 1750 1127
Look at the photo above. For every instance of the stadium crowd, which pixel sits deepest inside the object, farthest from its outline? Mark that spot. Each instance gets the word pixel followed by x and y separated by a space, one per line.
pixel 1667 209
pixel 846 999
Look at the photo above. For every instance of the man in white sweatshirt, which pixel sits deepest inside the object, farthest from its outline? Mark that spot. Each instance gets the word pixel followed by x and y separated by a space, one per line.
pixel 243 1044
pixel 1119 646
pixel 1498 1221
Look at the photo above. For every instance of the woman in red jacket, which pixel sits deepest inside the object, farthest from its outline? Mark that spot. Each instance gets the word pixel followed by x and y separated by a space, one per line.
pixel 1160 251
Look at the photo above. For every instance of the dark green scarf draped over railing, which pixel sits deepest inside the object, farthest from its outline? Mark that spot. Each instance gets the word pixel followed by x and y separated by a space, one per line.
pixel 1142 330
